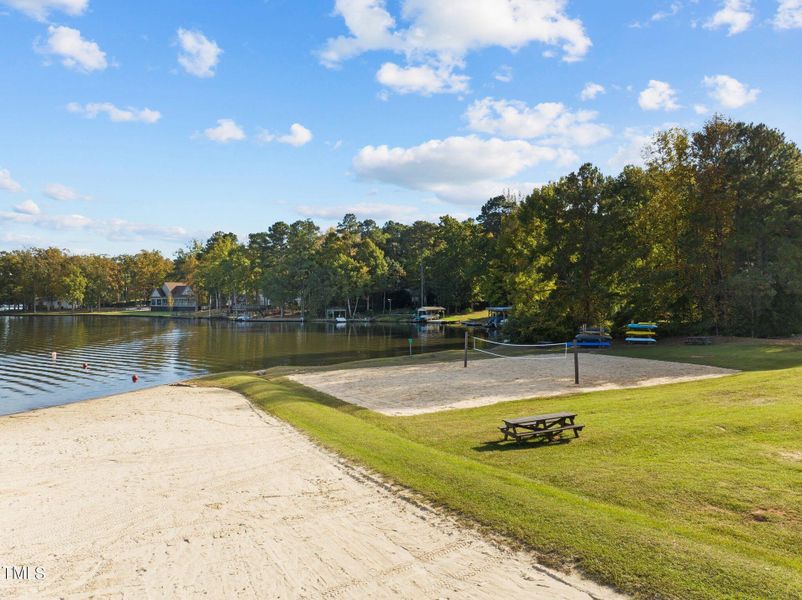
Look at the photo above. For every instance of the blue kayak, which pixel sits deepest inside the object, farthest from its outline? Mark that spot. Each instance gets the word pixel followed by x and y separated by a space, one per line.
pixel 641 340
pixel 641 326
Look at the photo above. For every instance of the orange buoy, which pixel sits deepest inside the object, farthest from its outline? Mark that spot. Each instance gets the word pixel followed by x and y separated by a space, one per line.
pixel 134 377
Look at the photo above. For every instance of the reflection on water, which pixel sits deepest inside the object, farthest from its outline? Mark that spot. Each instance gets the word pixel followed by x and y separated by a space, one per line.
pixel 163 350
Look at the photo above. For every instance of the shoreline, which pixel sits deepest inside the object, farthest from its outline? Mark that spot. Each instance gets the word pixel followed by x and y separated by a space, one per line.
pixel 141 388
pixel 149 493
pixel 203 317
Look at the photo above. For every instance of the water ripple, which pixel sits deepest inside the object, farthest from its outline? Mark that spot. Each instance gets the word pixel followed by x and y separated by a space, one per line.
pixel 164 351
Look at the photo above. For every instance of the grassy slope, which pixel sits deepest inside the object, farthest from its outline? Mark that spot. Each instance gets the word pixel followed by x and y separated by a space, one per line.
pixel 681 491
pixel 740 353
pixel 466 316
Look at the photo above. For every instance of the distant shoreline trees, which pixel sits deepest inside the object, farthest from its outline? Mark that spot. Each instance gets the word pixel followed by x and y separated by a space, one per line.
pixel 706 237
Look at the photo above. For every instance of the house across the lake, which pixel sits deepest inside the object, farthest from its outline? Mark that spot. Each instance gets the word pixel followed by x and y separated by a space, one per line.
pixel 173 295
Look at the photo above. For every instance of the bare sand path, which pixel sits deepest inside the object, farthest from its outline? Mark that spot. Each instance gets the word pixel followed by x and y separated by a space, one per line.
pixel 177 492
pixel 430 387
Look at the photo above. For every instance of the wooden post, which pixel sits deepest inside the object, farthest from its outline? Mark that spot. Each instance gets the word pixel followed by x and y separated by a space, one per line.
pixel 465 365
pixel 576 362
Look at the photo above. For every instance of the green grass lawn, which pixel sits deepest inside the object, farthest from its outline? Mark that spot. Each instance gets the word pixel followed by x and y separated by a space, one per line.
pixel 394 317
pixel 744 354
pixel 690 490
pixel 456 318
pixel 466 316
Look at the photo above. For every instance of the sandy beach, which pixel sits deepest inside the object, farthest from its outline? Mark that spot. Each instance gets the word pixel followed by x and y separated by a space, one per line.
pixel 429 387
pixel 179 492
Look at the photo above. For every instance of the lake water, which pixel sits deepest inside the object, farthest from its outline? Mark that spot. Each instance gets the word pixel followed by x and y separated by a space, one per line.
pixel 168 350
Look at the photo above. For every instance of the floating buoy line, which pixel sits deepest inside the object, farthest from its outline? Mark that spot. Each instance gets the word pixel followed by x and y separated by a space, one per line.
pixel 85 366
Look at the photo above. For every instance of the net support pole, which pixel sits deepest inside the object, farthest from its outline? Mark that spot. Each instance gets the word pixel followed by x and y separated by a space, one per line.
pixel 465 363
pixel 576 362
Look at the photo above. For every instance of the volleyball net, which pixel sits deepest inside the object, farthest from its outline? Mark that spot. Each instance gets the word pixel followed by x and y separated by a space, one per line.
pixel 521 351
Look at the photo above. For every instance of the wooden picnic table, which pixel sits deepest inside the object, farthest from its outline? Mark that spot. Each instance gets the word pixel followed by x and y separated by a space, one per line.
pixel 548 426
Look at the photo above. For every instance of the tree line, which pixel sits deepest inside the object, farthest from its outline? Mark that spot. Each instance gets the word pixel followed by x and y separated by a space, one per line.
pixel 42 277
pixel 705 238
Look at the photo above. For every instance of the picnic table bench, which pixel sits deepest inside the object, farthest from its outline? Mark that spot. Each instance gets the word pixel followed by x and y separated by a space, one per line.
pixel 699 340
pixel 547 426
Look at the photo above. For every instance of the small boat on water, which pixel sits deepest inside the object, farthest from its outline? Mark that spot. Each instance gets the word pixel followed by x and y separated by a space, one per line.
pixel 337 314
pixel 499 315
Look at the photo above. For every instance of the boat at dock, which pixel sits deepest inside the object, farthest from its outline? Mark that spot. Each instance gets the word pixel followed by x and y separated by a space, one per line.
pixel 428 314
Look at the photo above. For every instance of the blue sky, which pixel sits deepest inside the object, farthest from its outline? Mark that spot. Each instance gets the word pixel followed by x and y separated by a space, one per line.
pixel 129 125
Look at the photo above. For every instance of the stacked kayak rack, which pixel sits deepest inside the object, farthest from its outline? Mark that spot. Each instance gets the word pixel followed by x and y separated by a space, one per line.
pixel 641 333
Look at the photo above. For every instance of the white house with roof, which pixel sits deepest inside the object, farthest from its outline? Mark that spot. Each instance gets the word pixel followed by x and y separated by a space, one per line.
pixel 173 295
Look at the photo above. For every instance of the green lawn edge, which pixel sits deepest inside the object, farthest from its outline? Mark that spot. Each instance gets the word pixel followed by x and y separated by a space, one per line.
pixel 620 547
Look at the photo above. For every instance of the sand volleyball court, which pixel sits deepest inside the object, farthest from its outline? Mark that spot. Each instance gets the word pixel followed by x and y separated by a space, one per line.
pixel 178 492
pixel 429 387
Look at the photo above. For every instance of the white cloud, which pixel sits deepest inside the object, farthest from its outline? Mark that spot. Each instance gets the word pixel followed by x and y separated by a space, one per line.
pixel 111 229
pixel 591 90
pixel 7 183
pixel 75 52
pixel 29 207
pixel 452 28
pixel 503 74
pixel 47 221
pixel 40 9
pixel 550 122
pixel 370 210
pixel 129 114
pixel 789 15
pixel 672 10
pixel 440 33
pixel 370 26
pixel 729 92
pixel 298 136
pixel 425 79
pixel 226 131
pixel 199 55
pixel 736 15
pixel 460 169
pixel 478 192
pixel 658 95
pixel 631 151
pixel 19 240
pixel 58 191
pixel 700 109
